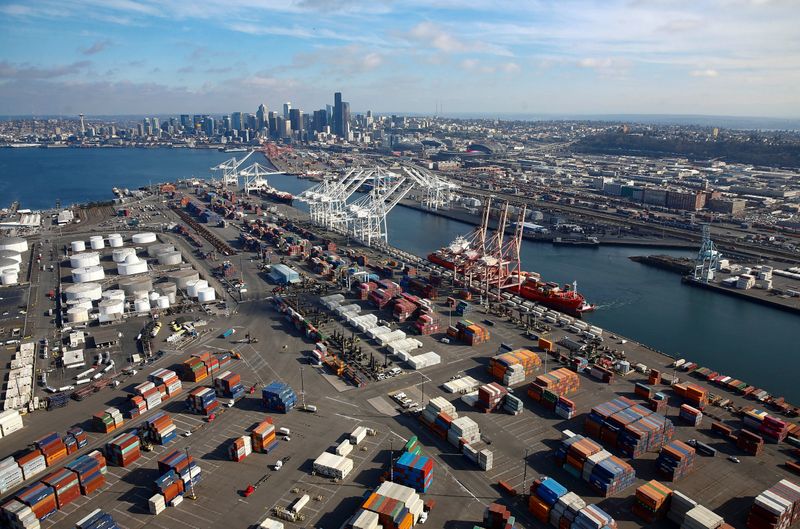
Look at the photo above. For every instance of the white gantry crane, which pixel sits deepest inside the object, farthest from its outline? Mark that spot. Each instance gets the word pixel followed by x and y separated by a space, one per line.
pixel 365 219
pixel 327 200
pixel 707 260
pixel 255 177
pixel 229 170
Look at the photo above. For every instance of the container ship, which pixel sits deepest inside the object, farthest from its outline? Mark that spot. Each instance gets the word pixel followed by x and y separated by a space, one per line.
pixel 496 261
pixel 278 196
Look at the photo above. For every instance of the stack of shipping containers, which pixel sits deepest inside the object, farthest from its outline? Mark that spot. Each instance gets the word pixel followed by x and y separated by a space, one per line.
pixel 278 397
pixel 651 501
pixel 90 473
pixel 65 484
pixel 514 367
pixel 415 471
pixel 676 460
pixel 160 429
pixel 263 437
pixel 123 450
pixel 202 400
pixel 775 508
pixel 551 389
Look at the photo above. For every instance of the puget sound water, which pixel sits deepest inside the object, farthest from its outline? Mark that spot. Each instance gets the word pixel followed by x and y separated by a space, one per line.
pixel 735 337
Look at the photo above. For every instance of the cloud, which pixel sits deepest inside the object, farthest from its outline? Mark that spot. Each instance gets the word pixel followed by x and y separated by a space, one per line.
pixel 222 69
pixel 431 35
pixel 605 65
pixel 350 59
pixel 482 67
pixel 97 47
pixel 10 70
pixel 186 69
pixel 704 73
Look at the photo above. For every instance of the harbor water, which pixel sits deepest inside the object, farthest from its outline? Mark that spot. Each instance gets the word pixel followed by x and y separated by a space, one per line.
pixel 735 337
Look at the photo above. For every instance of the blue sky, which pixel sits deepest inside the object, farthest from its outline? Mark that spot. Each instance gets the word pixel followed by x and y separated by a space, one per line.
pixel 719 57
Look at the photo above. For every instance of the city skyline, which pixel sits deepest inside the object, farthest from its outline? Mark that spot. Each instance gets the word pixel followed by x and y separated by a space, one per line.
pixel 717 57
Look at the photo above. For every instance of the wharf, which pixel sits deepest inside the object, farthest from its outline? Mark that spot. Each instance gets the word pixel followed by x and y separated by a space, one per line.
pixel 460 490
pixel 755 295
pixel 474 220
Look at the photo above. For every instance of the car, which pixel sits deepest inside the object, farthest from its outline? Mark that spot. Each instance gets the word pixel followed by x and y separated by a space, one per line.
pixel 187 433
pixel 423 517
pixel 734 459
pixel 692 442
pixel 445 340
pixel 381 376
pixel 287 438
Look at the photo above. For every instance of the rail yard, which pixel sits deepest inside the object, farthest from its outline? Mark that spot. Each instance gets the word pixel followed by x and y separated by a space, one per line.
pixel 172 316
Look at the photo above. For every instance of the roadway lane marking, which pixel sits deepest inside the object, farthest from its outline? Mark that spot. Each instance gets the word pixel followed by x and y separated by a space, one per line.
pixel 348 417
pixel 343 402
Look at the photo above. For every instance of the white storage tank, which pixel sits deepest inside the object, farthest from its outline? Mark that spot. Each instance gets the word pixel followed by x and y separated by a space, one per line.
pixel 154 296
pixel 112 306
pixel 139 294
pixel 77 246
pixel 114 293
pixel 182 277
pixel 155 249
pixel 120 254
pixel 141 305
pixel 8 265
pixel 162 302
pixel 115 240
pixel 17 244
pixel 82 260
pixel 11 254
pixel 91 291
pixel 205 295
pixel 135 284
pixel 9 277
pixel 132 265
pixel 97 242
pixel 144 238
pixel 82 302
pixel 169 258
pixel 88 274
pixel 77 315
pixel 168 289
pixel 194 286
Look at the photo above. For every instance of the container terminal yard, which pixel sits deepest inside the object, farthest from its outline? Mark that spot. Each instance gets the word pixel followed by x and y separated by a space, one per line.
pixel 200 357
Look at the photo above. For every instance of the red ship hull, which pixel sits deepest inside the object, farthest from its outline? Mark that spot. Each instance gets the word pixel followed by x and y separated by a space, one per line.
pixel 561 300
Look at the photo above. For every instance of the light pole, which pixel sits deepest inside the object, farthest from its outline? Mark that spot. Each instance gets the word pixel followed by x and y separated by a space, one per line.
pixel 192 495
pixel 302 388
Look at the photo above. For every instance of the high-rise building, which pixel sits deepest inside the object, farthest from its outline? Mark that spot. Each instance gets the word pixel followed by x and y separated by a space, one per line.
pixel 337 113
pixel 345 120
pixel 226 123
pixel 156 124
pixel 296 119
pixel 286 108
pixel 250 121
pixel 186 121
pixel 236 121
pixel 272 122
pixel 261 116
pixel 209 126
pixel 320 120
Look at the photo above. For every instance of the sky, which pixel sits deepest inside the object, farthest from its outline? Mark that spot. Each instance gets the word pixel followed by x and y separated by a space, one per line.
pixel 707 57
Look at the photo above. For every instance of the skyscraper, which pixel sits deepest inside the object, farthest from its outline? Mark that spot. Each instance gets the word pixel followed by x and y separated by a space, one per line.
pixel 320 120
pixel 209 126
pixel 345 120
pixel 296 119
pixel 286 108
pixel 236 121
pixel 272 119
pixel 337 113
pixel 261 116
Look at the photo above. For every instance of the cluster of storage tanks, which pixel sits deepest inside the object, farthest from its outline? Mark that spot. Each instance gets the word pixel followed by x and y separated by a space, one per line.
pixel 88 273
pixel 11 250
